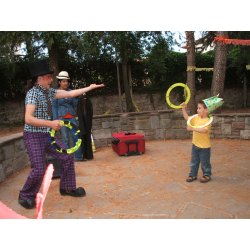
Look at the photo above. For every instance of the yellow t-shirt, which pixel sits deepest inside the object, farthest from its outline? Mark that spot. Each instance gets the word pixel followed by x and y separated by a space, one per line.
pixel 201 140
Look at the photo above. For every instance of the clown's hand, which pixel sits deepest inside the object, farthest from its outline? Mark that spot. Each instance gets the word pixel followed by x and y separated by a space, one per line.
pixel 56 125
pixel 95 86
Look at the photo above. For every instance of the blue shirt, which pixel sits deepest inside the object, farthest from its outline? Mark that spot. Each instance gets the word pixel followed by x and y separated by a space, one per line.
pixel 38 98
pixel 60 107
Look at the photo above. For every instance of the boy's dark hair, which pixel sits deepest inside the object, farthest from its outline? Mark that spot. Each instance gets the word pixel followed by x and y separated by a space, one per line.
pixel 202 103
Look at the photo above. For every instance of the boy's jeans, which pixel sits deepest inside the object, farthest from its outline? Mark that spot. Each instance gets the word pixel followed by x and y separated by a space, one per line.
pixel 200 155
pixel 64 131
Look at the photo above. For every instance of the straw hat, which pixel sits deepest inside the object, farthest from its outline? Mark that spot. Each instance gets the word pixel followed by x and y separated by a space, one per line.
pixel 63 75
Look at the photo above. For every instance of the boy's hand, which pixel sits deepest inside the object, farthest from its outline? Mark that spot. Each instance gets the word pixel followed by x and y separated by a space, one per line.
pixel 184 105
pixel 189 128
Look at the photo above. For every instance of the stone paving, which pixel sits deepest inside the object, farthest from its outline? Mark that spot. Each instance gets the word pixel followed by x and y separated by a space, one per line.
pixel 149 186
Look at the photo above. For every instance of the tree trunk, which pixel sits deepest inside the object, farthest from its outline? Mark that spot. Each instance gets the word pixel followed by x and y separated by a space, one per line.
pixel 130 107
pixel 53 65
pixel 118 74
pixel 29 50
pixel 245 89
pixel 130 81
pixel 191 74
pixel 220 61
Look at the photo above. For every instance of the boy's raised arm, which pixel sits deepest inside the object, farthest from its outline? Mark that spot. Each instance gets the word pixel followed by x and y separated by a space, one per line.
pixel 184 112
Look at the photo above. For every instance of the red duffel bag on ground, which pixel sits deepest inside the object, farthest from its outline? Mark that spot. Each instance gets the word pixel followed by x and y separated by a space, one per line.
pixel 128 143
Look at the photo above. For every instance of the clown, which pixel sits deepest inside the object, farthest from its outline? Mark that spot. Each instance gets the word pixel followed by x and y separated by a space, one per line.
pixel 38 121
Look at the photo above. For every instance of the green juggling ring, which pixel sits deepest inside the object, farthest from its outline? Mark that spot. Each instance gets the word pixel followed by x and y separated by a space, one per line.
pixel 173 86
pixel 75 129
pixel 189 124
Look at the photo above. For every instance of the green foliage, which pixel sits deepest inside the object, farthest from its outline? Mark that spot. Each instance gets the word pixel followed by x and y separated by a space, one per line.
pixel 13 76
pixel 176 64
pixel 204 78
pixel 139 73
pixel 237 59
pixel 89 57
pixel 156 66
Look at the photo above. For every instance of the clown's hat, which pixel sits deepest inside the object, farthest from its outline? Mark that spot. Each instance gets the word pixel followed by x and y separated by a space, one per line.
pixel 213 103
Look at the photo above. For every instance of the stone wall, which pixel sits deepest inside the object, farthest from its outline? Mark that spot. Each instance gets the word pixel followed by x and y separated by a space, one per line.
pixel 13 155
pixel 14 111
pixel 166 124
pixel 154 125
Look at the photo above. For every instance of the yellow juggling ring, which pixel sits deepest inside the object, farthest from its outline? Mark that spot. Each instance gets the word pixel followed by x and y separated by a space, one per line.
pixel 75 129
pixel 176 85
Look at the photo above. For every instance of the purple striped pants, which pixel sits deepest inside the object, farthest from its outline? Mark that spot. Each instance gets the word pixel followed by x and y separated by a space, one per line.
pixel 38 145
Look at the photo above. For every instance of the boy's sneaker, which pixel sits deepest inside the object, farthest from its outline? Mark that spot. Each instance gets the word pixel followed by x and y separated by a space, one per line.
pixel 28 204
pixel 79 192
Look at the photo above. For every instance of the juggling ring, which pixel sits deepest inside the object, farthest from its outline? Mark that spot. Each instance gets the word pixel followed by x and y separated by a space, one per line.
pixel 210 121
pixel 72 126
pixel 169 90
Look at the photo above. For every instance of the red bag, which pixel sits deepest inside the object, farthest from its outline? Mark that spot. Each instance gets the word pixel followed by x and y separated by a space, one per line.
pixel 128 143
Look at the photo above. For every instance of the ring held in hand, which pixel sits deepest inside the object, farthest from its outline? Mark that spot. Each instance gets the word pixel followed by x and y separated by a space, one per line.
pixel 173 86
pixel 189 124
pixel 75 129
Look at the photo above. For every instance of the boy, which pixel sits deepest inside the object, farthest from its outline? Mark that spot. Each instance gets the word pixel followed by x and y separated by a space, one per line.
pixel 201 148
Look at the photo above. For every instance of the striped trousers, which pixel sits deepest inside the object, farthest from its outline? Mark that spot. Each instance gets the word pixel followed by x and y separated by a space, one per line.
pixel 38 145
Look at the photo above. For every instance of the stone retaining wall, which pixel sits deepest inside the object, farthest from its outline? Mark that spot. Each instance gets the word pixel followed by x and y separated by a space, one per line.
pixel 166 124
pixel 154 125
pixel 13 155
pixel 11 112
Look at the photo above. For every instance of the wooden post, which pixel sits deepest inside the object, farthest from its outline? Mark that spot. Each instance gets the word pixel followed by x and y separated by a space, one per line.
pixel 118 74
pixel 191 73
pixel 245 89
pixel 130 81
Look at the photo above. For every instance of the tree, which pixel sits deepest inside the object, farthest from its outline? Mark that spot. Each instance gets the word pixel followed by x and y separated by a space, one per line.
pixel 240 57
pixel 156 66
pixel 220 61
pixel 125 56
pixel 207 39
pixel 118 74
pixel 58 44
pixel 11 65
pixel 128 48
pixel 191 72
pixel 133 46
pixel 89 57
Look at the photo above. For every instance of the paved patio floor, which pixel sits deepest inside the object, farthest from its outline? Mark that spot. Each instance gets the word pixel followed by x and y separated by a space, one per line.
pixel 149 186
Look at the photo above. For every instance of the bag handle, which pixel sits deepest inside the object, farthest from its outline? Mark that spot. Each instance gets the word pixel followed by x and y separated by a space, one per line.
pixel 128 133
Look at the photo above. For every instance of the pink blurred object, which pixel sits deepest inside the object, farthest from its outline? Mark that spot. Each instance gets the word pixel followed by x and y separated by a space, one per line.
pixel 7 213
pixel 40 198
